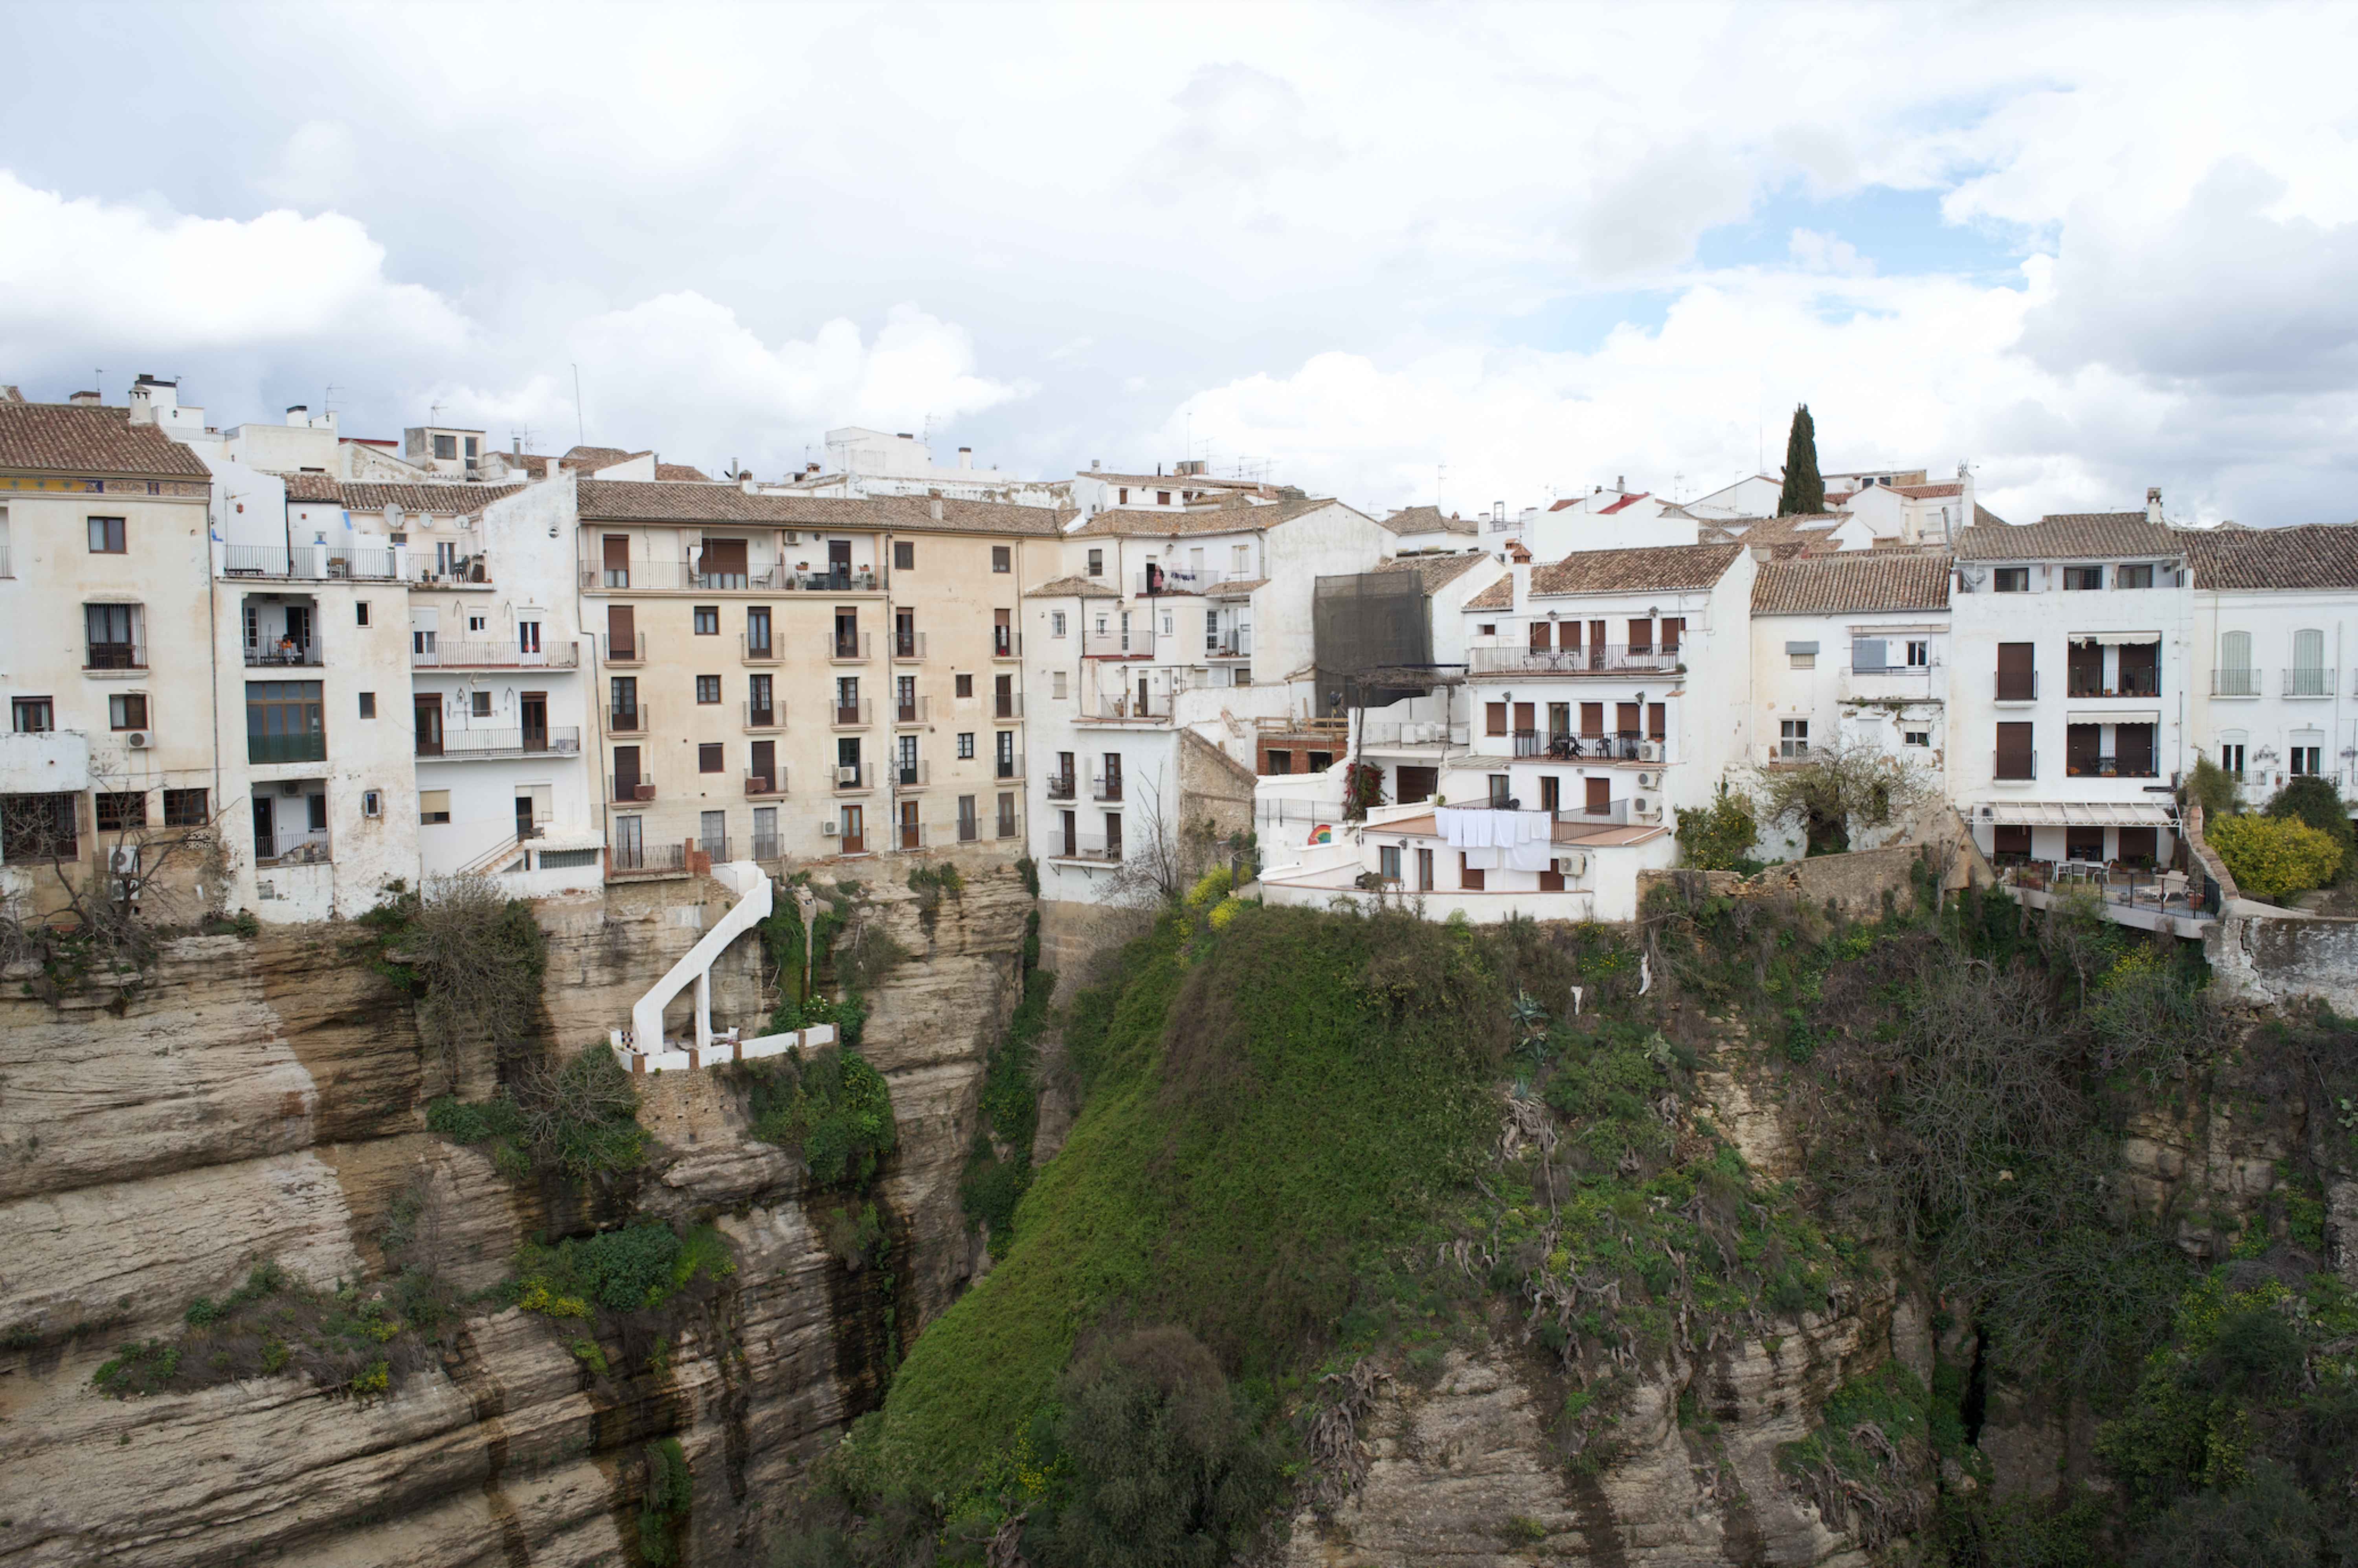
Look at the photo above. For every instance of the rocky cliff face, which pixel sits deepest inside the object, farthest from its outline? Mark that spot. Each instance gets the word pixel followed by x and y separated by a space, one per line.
pixel 262 1100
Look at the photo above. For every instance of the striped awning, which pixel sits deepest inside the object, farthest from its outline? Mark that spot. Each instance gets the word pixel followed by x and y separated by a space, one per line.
pixel 2075 814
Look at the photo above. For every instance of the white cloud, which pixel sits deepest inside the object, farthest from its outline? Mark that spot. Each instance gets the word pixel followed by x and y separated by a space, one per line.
pixel 320 163
pixel 85 274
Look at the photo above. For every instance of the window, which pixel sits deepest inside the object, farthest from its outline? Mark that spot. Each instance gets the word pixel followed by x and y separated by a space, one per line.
pixel 2235 676
pixel 2308 677
pixel 2135 576
pixel 1486 629
pixel 2306 760
pixel 31 715
pixel 708 689
pixel 478 624
pixel 970 829
pixel 433 806
pixel 446 447
pixel 1494 716
pixel 1805 655
pixel 120 809
pixel 1006 753
pixel 185 808
pixel 1055 624
pixel 360 612
pixel 479 705
pixel 2011 579
pixel 708 758
pixel 1278 763
pixel 2016 759
pixel 1097 563
pixel 712 833
pixel 106 536
pixel 1162 498
pixel 1002 559
pixel 1916 736
pixel 1056 685
pixel 2017 672
pixel 707 621
pixel 966 743
pixel 1792 738
pixel 39 828
pixel 1007 816
pixel 2082 580
pixel 1240 560
pixel 1499 786
pixel 372 803
pixel 1867 654
pixel 284 723
pixel 1387 862
pixel 965 687
pixel 471 446
pixel 127 710
pixel 1920 653
pixel 757 630
pixel 905 555
pixel 2231 758
pixel 114 637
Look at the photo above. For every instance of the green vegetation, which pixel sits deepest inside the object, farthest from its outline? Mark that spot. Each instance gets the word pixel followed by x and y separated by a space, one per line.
pixel 1804 490
pixel 830 1108
pixel 1862 1464
pixel 348 1340
pixel 930 883
pixel 581 1120
pixel 2315 801
pixel 999 1169
pixel 638 1268
pixel 2274 857
pixel 858 953
pixel 1722 835
pixel 663 1508
pixel 471 959
pixel 2212 788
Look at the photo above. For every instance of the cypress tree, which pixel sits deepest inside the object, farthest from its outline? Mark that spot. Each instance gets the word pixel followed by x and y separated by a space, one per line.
pixel 1804 490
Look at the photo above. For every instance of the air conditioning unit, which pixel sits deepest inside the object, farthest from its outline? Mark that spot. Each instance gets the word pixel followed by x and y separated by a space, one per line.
pixel 291 788
pixel 1647 781
pixel 794 538
pixel 1641 806
pixel 1572 865
pixel 642 792
pixel 827 830
pixel 846 775
pixel 136 739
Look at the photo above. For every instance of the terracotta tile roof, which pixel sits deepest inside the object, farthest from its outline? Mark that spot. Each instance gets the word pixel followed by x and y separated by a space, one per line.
pixel 1234 587
pixel 1660 566
pixel 314 487
pixel 1985 518
pixel 1131 523
pixel 1795 534
pixel 2071 535
pixel 1926 492
pixel 1624 500
pixel 1438 571
pixel 91 438
pixel 670 500
pixel 1428 520
pixel 679 472
pixel 1499 595
pixel 1074 587
pixel 597 456
pixel 1851 583
pixel 2312 556
pixel 455 500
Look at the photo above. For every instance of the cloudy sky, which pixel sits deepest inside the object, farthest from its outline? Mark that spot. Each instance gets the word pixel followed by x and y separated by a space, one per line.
pixel 1505 251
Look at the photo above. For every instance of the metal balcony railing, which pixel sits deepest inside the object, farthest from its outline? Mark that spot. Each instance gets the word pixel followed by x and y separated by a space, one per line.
pixel 673 577
pixel 459 569
pixel 1105 787
pixel 2021 687
pixel 912 774
pixel 1228 647
pixel 771 716
pixel 855 714
pixel 764 652
pixel 627 720
pixel 913 711
pixel 286 748
pixel 562 741
pixel 771 784
pixel 304 848
pixel 970 827
pixel 1061 786
pixel 457 654
pixel 1073 847
pixel 1413 734
pixel 2300 682
pixel 1005 643
pixel 2134 682
pixel 1007 823
pixel 851 777
pixel 1599 658
pixel 308 562
pixel 1007 769
pixel 629 787
pixel 1623 746
pixel 2108 768
pixel 908 644
pixel 629 650
pixel 909 835
pixel 1007 704
pixel 115 656
pixel 310 658
pixel 650 859
pixel 765 846
pixel 2235 683
pixel 856 649
pixel 1138 642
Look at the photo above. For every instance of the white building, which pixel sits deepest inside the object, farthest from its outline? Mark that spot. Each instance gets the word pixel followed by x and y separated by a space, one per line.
pixel 862 463
pixel 2071 685
pixel 1852 647
pixel 2275 619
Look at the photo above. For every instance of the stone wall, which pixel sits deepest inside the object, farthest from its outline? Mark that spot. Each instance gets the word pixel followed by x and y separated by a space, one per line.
pixel 264 1100
pixel 1855 881
pixel 2276 959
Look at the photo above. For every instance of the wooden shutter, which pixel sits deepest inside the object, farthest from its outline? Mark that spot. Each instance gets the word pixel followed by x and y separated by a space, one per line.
pixel 1658 720
pixel 2014 752
pixel 618 552
pixel 724 557
pixel 1542 636
pixel 1526 717
pixel 2081 743
pixel 621 631
pixel 1600 796
pixel 1625 718
pixel 2016 676
pixel 2133 744
pixel 1468 877
pixel 1674 631
pixel 1496 714
pixel 1592 719
pixel 1641 635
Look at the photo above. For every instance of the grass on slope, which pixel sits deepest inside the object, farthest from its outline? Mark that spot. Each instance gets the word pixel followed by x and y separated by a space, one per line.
pixel 1317 1093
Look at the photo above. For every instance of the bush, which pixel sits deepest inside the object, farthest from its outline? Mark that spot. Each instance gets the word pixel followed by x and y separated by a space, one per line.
pixel 670 1490
pixel 1721 836
pixel 2267 1522
pixel 581 1119
pixel 2212 788
pixel 2316 802
pixel 634 1269
pixel 834 1109
pixel 2273 857
pixel 1164 1468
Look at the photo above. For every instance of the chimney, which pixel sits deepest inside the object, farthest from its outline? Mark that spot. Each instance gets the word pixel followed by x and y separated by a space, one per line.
pixel 810 468
pixel 550 468
pixel 299 415
pixel 86 400
pixel 1761 554
pixel 2153 504
pixel 515 444
pixel 935 507
pixel 1621 482
pixel 150 396
pixel 966 456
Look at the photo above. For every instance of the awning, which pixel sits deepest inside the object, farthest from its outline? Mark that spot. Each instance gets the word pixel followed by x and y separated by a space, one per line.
pixel 2075 813
pixel 1809 648
pixel 2113 716
pixel 2119 639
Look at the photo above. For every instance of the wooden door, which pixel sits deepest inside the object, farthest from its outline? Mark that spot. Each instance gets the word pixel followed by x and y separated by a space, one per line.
pixel 618 560
pixel 1592 719
pixel 1599 797
pixel 621 631
pixel 1526 718
pixel 1625 719
pixel 1424 871
pixel 2016 760
pixel 533 707
pixel 2083 743
pixel 1658 720
pixel 1072 840
pixel 1550 793
pixel 427 709
pixel 855 829
pixel 1596 643
pixel 626 773
pixel 1542 636
pixel 2018 675
pixel 909 829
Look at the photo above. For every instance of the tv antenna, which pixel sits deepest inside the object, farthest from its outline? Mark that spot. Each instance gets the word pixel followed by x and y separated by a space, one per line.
pixel 578 424
pixel 328 397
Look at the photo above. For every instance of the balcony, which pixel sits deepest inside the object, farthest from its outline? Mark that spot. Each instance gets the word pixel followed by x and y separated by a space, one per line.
pixel 1155 580
pixel 1076 848
pixel 285 658
pixel 456 654
pixel 1061 786
pixel 908 645
pixel 2109 768
pixel 308 563
pixel 764 652
pixel 1597 659
pixel 912 774
pixel 645 860
pixel 770 786
pixel 474 745
pixel 2308 683
pixel 625 788
pixel 1007 705
pixel 679 577
pixel 770 718
pixel 765 846
pixel 1004 644
pixel 851 777
pixel 1237 646
pixel 1008 770
pixel 627 720
pixel 115 656
pixel 855 714
pixel 286 748
pixel 293 847
pixel 2016 685
pixel 1106 786
pixel 2128 683
pixel 2237 683
pixel 2015 769
pixel 458 571
pixel 1135 644
pixel 909 835
pixel 1128 708
pixel 858 648
pixel 1411 736
pixel 1624 746
pixel 914 710
pixel 630 650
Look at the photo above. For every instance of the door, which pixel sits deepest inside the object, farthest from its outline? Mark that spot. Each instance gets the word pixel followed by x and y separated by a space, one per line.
pixel 1592 719
pixel 1144 711
pixel 1599 797
pixel 1658 721
pixel 847 633
pixel 855 827
pixel 1072 842
pixel 1424 871
pixel 757 632
pixel 1468 877
pixel 1417 784
pixel 428 708
pixel 2139 845
pixel 2016 760
pixel 1002 632
pixel 839 559
pixel 1559 719
pixel 712 833
pixel 2012 843
pixel 1113 775
pixel 2082 746
pixel 533 706
pixel 2133 745
pixel 1542 636
pixel 1597 654
pixel 1526 720
pixel 621 631
pixel 265 827
pixel 909 829
pixel 630 843
pixel 626 773
pixel 1550 793
pixel 524 817
pixel 2141 669
pixel 2083 669
pixel 763 768
pixel 618 561
pixel 1551 879
pixel 2017 677
pixel 1625 719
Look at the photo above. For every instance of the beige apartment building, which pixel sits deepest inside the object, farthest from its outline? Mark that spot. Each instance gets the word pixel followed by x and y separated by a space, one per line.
pixel 784 675
pixel 103 564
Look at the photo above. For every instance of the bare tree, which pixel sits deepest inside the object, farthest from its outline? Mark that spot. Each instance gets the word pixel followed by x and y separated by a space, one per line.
pixel 137 878
pixel 1162 858
pixel 1844 789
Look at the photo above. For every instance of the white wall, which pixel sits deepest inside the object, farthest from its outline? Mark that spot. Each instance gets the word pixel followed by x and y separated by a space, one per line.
pixel 2269 721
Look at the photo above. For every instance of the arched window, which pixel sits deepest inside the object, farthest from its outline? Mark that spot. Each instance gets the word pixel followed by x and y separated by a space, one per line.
pixel 2308 677
pixel 2235 651
pixel 2235 677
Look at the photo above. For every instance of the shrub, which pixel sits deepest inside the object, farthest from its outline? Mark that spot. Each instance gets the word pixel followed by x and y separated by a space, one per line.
pixel 631 1270
pixel 1721 836
pixel 1164 1468
pixel 2267 1522
pixel 2212 788
pixel 2272 857
pixel 670 1490
pixel 581 1119
pixel 1224 914
pixel 2316 802
pixel 831 1108
pixel 1210 888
